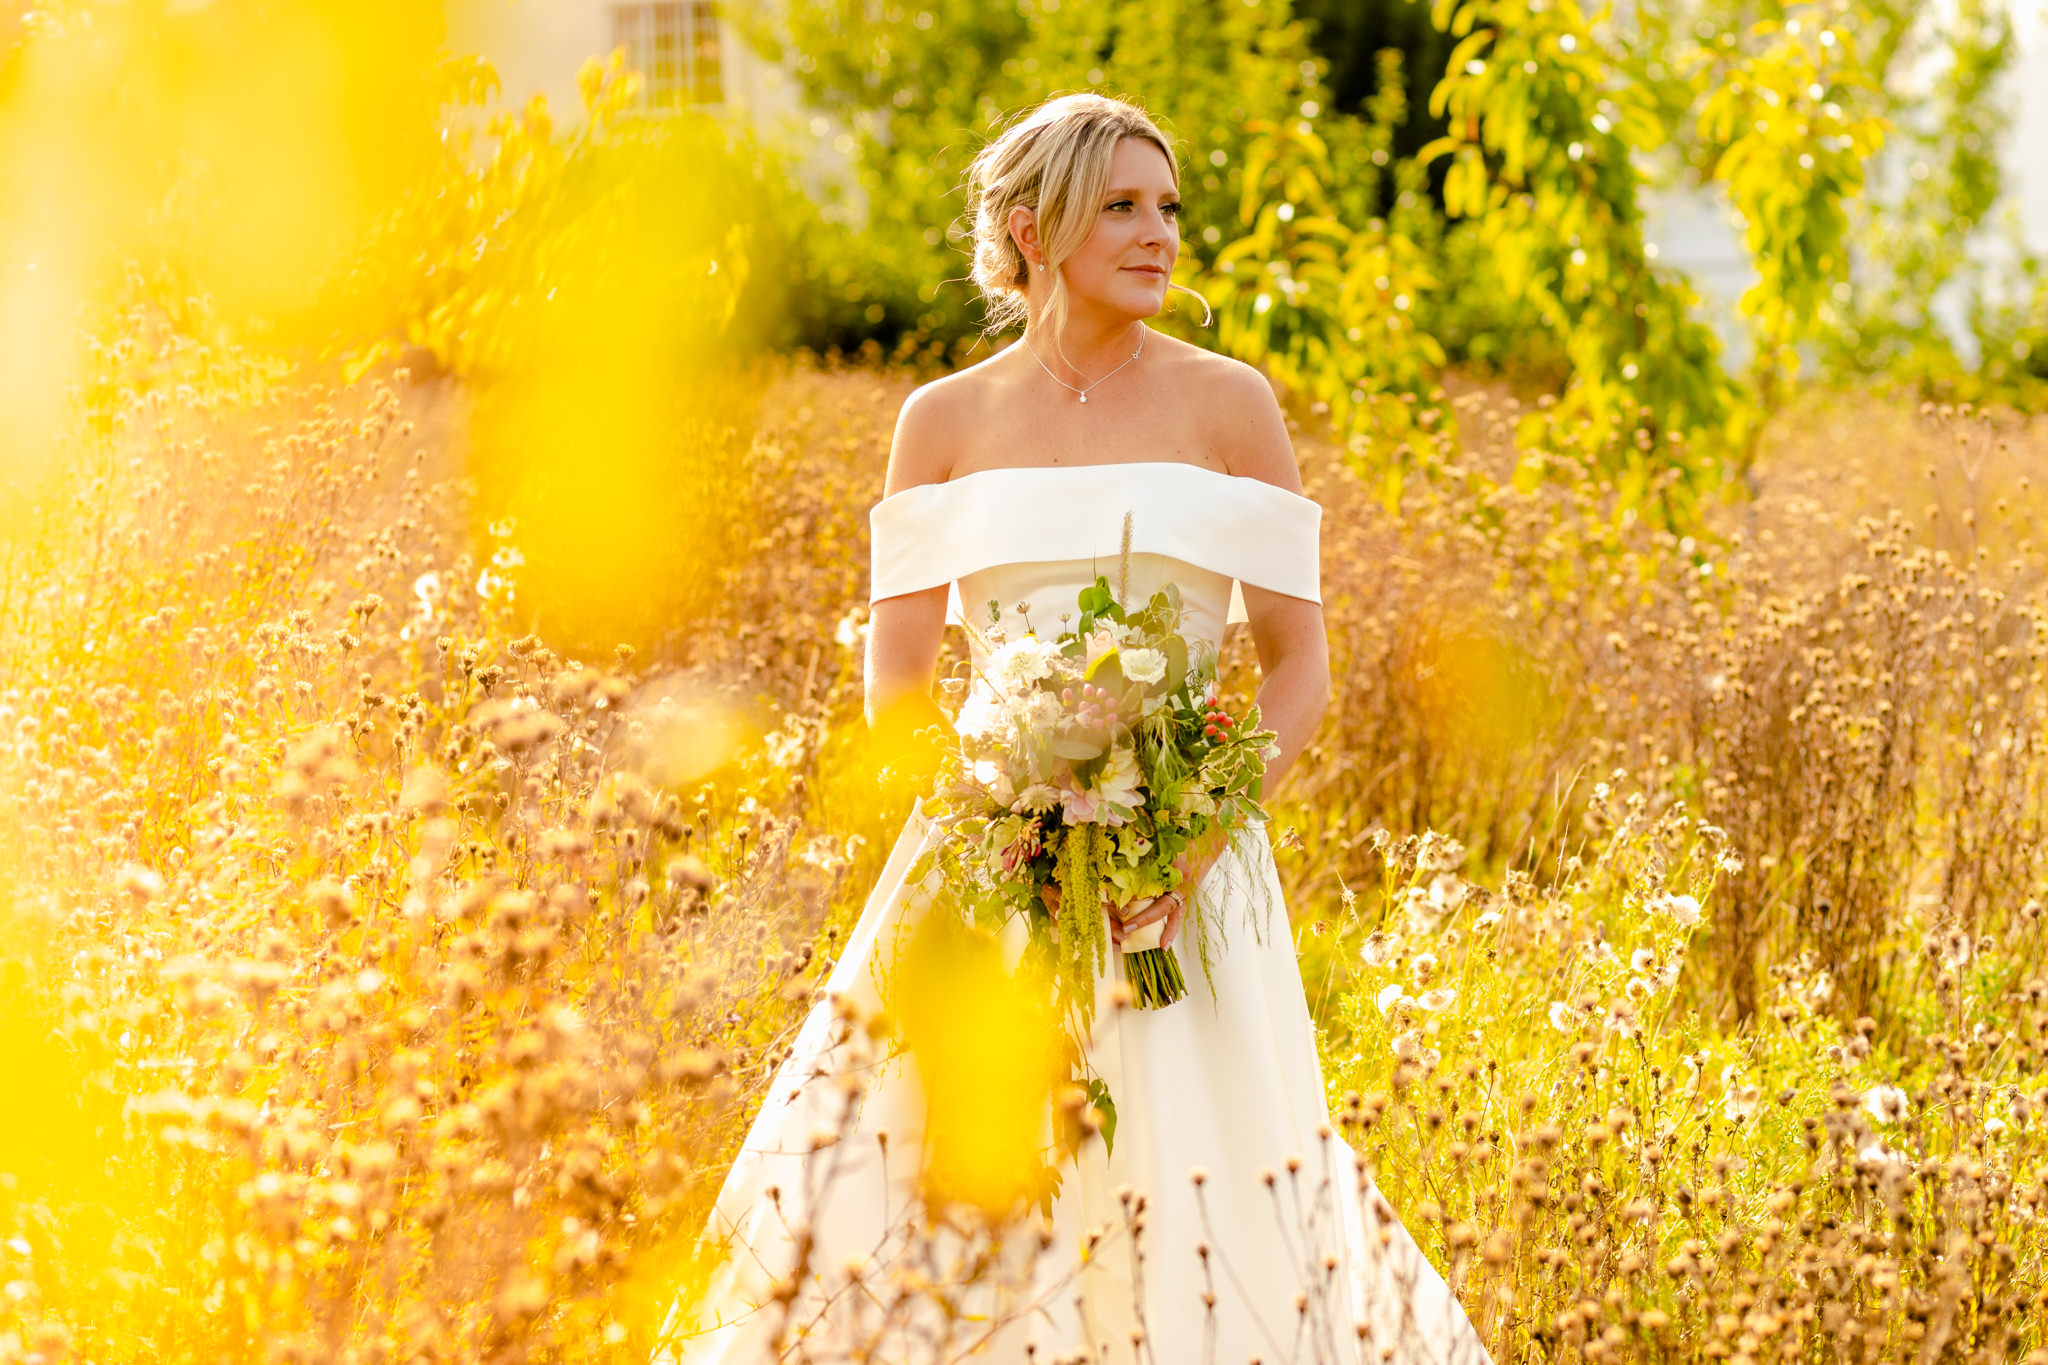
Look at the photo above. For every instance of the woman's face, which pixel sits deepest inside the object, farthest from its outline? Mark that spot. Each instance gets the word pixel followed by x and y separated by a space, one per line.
pixel 1127 261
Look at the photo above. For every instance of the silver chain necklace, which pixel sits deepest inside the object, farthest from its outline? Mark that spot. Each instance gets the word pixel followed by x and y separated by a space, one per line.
pixel 1142 329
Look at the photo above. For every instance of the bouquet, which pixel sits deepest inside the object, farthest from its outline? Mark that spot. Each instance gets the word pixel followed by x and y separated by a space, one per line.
pixel 1088 764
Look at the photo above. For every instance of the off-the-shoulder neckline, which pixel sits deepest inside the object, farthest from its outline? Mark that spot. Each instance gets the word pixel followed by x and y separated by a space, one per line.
pixel 1106 465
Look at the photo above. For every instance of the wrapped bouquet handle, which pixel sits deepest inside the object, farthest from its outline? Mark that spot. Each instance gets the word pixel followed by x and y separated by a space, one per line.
pixel 1150 969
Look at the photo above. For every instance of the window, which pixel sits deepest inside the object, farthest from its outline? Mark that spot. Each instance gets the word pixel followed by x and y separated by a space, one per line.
pixel 674 47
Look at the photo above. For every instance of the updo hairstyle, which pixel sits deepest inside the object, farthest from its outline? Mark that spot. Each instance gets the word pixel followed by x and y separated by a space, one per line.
pixel 1054 160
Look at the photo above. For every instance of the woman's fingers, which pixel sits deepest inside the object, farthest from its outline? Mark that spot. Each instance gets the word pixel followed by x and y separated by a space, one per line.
pixel 1136 915
pixel 1169 907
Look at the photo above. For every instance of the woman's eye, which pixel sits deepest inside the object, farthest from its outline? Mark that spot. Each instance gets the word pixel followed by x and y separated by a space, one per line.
pixel 1173 209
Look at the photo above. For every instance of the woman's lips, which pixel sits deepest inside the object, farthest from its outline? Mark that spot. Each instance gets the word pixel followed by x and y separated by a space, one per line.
pixel 1154 271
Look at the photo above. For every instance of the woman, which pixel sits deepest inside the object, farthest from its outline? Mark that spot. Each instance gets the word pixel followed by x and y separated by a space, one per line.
pixel 1226 1222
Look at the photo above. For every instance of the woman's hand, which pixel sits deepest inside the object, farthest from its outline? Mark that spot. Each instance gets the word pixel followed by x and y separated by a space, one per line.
pixel 1171 907
pixel 1194 864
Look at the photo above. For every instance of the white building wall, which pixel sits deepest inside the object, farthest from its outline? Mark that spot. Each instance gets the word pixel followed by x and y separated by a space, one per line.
pixel 537 47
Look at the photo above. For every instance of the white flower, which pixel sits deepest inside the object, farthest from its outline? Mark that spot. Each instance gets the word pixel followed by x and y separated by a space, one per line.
pixel 1376 949
pixel 1424 966
pixel 1408 1046
pixel 1668 970
pixel 1144 665
pixel 981 717
pixel 1886 1103
pixel 1561 1017
pixel 1041 712
pixel 1022 662
pixel 1423 913
pixel 1684 909
pixel 1642 960
pixel 1738 1101
pixel 1438 999
pixel 1388 998
pixel 1036 799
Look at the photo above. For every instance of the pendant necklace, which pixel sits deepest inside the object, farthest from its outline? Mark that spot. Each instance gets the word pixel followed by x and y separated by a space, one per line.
pixel 1142 329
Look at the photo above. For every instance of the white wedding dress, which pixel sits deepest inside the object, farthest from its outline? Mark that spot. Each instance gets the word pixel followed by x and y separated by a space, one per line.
pixel 1304 1259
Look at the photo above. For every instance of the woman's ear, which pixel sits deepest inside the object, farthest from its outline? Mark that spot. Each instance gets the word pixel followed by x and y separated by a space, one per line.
pixel 1024 231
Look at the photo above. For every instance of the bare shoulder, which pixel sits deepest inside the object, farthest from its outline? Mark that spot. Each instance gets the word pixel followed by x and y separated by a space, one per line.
pixel 1242 415
pixel 928 426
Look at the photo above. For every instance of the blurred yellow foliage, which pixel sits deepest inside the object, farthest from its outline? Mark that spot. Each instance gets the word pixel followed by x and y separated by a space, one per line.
pixel 221 158
pixel 988 1051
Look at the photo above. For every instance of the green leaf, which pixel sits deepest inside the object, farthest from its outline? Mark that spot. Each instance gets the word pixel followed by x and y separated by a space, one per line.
pixel 1098 1095
pixel 1107 670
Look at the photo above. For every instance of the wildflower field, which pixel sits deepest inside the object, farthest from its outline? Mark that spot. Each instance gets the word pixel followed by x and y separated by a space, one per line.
pixel 433 566
pixel 384 983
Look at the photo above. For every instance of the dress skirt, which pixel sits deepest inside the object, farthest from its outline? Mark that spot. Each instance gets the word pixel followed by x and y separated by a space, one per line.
pixel 1226 1223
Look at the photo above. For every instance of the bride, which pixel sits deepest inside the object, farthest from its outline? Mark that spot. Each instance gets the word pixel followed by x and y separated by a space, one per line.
pixel 1226 1221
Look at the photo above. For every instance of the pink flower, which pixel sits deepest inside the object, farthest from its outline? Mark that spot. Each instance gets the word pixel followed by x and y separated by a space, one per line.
pixel 1112 798
pixel 1023 849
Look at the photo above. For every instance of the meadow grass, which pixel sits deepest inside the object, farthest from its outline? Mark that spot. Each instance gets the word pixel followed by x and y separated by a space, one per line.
pixel 384 983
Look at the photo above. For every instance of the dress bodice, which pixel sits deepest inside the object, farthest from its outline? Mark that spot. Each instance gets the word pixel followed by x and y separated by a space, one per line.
pixel 1035 536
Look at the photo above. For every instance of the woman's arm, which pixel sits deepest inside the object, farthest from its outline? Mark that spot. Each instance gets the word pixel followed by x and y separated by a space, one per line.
pixel 904 633
pixel 1294 672
pixel 1294 652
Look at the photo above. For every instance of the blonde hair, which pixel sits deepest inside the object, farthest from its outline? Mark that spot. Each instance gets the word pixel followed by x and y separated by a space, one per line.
pixel 1055 161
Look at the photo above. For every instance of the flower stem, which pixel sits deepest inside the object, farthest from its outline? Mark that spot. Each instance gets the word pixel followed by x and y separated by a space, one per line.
pixel 1154 977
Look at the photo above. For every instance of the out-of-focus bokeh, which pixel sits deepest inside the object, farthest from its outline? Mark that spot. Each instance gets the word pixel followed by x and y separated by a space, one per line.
pixel 435 447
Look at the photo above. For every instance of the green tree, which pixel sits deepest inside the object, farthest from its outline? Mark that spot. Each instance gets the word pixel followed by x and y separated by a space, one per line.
pixel 1790 119
pixel 923 84
pixel 1546 123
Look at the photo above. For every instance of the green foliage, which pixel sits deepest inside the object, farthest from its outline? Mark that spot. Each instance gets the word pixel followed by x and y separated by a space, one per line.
pixel 921 88
pixel 527 229
pixel 1319 245
pixel 1358 39
pixel 1545 125
pixel 1790 118
pixel 1326 306
pixel 1931 222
